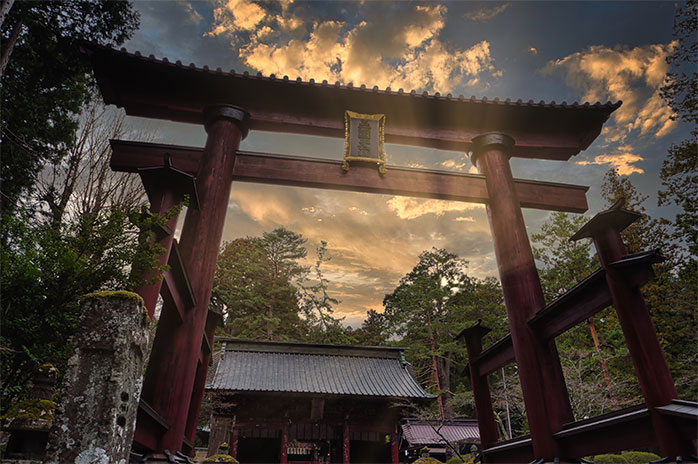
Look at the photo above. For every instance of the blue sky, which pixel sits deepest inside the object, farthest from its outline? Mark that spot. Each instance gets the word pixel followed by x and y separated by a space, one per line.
pixel 562 51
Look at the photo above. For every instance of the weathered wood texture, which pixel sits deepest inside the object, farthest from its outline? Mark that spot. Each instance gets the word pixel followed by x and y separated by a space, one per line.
pixel 327 174
pixel 648 359
pixel 542 381
pixel 481 388
pixel 158 89
pixel 172 372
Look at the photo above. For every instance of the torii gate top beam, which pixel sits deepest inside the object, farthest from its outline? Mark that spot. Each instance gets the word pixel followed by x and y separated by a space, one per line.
pixel 159 89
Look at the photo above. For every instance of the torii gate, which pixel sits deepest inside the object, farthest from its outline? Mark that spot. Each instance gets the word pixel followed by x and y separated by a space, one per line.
pixel 230 104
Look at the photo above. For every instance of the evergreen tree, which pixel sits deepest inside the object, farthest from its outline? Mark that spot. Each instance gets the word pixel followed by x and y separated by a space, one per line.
pixel 430 306
pixel 45 81
pixel 373 331
pixel 265 293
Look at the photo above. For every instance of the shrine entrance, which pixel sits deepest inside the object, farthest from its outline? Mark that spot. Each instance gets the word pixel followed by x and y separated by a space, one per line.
pixel 231 104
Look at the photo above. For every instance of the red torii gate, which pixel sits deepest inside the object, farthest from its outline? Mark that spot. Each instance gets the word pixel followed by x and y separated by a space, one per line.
pixel 491 130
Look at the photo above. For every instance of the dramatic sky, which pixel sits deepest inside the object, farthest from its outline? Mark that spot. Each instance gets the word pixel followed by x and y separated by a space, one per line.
pixel 562 51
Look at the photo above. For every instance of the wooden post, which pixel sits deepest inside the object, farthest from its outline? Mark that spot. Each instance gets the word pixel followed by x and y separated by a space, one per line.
pixel 394 446
pixel 284 443
pixel 345 444
pixel 650 365
pixel 178 343
pixel 234 439
pixel 200 379
pixel 166 187
pixel 542 382
pixel 481 388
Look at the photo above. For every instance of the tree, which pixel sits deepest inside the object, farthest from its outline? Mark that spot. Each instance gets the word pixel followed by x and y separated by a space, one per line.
pixel 679 173
pixel 255 292
pixel 430 306
pixel 82 183
pixel 79 232
pixel 564 265
pixel 374 330
pixel 45 81
pixel 44 273
pixel 265 293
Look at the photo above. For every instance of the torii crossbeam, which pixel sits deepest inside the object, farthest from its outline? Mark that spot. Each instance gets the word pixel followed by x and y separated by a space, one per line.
pixel 230 104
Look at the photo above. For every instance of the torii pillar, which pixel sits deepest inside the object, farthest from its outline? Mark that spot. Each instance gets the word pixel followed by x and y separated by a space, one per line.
pixel 542 383
pixel 172 370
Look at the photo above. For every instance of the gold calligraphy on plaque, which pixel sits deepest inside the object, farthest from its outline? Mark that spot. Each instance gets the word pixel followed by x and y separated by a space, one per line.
pixel 364 139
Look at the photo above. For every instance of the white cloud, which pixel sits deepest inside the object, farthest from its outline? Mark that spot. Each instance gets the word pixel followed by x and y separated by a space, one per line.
pixel 236 15
pixel 405 52
pixel 634 76
pixel 485 14
pixel 412 208
pixel 621 161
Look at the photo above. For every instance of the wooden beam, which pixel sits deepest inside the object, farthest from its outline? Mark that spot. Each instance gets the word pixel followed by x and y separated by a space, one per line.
pixel 148 87
pixel 497 355
pixel 327 174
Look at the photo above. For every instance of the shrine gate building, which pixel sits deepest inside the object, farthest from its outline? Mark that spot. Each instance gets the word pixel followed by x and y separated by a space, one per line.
pixel 308 403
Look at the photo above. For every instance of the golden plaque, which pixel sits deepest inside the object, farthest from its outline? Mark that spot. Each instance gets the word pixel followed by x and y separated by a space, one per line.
pixel 364 139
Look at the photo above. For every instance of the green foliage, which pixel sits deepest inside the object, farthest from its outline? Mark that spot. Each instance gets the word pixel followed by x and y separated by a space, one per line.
pixel 609 459
pixel 671 297
pixel 640 457
pixel 316 306
pixel 564 263
pixel 31 409
pixel 427 460
pixel 681 90
pixel 466 459
pixel 43 273
pixel 46 81
pixel 265 293
pixel 373 331
pixel 430 306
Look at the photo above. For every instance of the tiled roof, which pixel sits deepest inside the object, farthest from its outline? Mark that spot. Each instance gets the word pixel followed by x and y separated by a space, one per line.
pixel 254 366
pixel 424 432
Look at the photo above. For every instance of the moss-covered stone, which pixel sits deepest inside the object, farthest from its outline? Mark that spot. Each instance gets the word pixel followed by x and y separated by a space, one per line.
pixel 467 459
pixel 221 458
pixel 48 369
pixel 31 409
pixel 639 457
pixel 102 294
pixel 609 459
pixel 427 460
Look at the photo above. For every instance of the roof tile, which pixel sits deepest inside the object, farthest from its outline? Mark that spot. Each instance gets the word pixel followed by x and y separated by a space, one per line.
pixel 321 369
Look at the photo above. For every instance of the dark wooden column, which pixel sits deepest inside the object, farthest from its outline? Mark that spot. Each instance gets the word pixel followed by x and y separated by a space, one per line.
pixel 284 443
pixel 542 382
pixel 481 388
pixel 176 351
pixel 346 435
pixel 395 446
pixel 234 440
pixel 650 365
pixel 212 321
pixel 166 188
